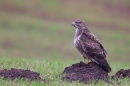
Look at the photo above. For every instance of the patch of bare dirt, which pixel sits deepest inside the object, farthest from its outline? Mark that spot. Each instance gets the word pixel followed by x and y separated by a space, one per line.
pixel 20 73
pixel 122 74
pixel 92 71
pixel 85 72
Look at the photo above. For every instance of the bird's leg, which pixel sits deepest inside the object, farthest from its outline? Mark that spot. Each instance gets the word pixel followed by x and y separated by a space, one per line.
pixel 86 60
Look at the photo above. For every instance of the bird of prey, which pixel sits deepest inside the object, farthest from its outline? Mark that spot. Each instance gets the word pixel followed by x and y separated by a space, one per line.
pixel 89 45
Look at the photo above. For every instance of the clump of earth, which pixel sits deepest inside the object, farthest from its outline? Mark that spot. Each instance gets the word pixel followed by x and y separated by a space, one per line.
pixel 85 72
pixel 122 74
pixel 14 73
pixel 91 72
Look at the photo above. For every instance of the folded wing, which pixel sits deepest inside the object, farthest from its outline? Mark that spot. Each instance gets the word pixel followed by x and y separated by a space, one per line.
pixel 94 48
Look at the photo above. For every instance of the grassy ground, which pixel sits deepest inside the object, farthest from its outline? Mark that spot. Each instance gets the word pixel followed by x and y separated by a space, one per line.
pixel 49 70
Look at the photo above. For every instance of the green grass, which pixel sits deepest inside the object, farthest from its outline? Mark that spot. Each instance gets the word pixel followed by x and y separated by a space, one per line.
pixel 49 70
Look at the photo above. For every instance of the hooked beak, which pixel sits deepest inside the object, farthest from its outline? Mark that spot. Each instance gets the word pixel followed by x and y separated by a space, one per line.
pixel 73 24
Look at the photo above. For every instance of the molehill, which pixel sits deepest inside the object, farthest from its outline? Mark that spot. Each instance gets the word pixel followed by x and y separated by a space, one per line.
pixel 91 72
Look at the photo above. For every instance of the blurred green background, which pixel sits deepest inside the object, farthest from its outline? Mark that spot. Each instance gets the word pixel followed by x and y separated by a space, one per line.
pixel 42 29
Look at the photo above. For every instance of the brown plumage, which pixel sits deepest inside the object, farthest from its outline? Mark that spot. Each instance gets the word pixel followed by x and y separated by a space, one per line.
pixel 89 45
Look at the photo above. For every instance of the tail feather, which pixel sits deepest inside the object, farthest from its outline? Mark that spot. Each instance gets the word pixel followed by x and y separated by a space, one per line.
pixel 105 65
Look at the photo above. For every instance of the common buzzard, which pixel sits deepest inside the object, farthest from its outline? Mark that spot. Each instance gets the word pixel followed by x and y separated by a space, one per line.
pixel 89 45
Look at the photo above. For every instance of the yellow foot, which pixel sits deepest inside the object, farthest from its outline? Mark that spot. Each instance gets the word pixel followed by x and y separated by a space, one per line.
pixel 86 61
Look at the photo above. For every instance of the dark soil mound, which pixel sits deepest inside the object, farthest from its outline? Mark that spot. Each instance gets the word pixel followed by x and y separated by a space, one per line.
pixel 122 74
pixel 85 72
pixel 20 73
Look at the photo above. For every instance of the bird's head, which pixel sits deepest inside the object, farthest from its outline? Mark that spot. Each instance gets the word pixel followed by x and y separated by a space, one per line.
pixel 79 24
